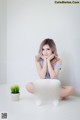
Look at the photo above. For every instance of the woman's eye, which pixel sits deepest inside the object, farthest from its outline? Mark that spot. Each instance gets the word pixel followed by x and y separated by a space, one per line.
pixel 42 49
pixel 48 49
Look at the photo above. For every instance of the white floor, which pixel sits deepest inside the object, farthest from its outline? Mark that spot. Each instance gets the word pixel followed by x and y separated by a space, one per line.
pixel 25 108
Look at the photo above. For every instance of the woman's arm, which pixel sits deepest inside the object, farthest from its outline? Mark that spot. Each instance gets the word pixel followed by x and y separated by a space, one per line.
pixel 53 72
pixel 41 70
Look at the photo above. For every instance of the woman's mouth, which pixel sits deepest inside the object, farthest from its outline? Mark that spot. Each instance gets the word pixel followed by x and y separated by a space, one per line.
pixel 46 56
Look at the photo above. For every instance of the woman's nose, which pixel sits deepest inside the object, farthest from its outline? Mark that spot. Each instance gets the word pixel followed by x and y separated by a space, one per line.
pixel 45 52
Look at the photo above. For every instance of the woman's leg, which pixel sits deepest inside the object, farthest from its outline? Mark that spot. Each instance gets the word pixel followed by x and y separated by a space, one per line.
pixel 66 91
pixel 30 87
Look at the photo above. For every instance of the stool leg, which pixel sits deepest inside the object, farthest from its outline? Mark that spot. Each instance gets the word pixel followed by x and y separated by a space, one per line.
pixel 56 102
pixel 38 102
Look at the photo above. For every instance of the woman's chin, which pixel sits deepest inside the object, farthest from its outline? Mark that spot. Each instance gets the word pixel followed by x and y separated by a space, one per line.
pixel 46 57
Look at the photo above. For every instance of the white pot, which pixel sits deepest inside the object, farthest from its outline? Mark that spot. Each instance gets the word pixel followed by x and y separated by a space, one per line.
pixel 15 97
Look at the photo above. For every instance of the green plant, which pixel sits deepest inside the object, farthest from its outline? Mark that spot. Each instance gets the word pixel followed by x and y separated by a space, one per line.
pixel 15 89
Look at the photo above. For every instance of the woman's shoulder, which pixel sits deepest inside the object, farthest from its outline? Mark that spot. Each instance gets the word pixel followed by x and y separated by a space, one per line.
pixel 39 61
pixel 59 61
pixel 58 64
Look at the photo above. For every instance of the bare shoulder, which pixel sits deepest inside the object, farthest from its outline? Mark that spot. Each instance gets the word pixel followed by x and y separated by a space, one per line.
pixel 37 59
pixel 59 61
pixel 37 62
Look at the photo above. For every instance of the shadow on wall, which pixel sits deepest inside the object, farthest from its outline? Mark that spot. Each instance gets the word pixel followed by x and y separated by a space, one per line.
pixel 67 73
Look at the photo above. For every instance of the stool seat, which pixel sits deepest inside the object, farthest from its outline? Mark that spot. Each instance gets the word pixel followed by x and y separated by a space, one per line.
pixel 47 90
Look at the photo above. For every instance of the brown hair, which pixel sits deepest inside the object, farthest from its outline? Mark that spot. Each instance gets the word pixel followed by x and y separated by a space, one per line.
pixel 52 45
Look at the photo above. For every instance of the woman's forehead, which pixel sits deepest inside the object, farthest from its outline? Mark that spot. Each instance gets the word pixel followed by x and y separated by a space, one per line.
pixel 46 46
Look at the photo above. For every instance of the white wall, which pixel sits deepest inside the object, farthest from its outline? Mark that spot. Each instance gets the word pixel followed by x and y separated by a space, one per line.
pixel 31 21
pixel 2 41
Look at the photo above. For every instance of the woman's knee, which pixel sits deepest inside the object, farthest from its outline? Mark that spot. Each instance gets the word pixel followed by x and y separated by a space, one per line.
pixel 30 87
pixel 71 90
pixel 67 91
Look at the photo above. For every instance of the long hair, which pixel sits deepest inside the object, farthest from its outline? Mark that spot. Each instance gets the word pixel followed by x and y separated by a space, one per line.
pixel 52 45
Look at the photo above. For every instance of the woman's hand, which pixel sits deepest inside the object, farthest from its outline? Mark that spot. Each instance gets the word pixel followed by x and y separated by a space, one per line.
pixel 51 57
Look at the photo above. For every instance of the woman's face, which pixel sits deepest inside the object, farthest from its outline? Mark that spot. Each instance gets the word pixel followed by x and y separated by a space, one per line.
pixel 46 51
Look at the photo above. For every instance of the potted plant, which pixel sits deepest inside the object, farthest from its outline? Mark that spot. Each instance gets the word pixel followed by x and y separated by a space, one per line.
pixel 15 92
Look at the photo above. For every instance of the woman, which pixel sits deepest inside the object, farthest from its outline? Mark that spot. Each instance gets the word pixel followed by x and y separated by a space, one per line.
pixel 48 65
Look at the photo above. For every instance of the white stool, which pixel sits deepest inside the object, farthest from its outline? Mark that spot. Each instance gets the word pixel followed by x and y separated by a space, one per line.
pixel 47 90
